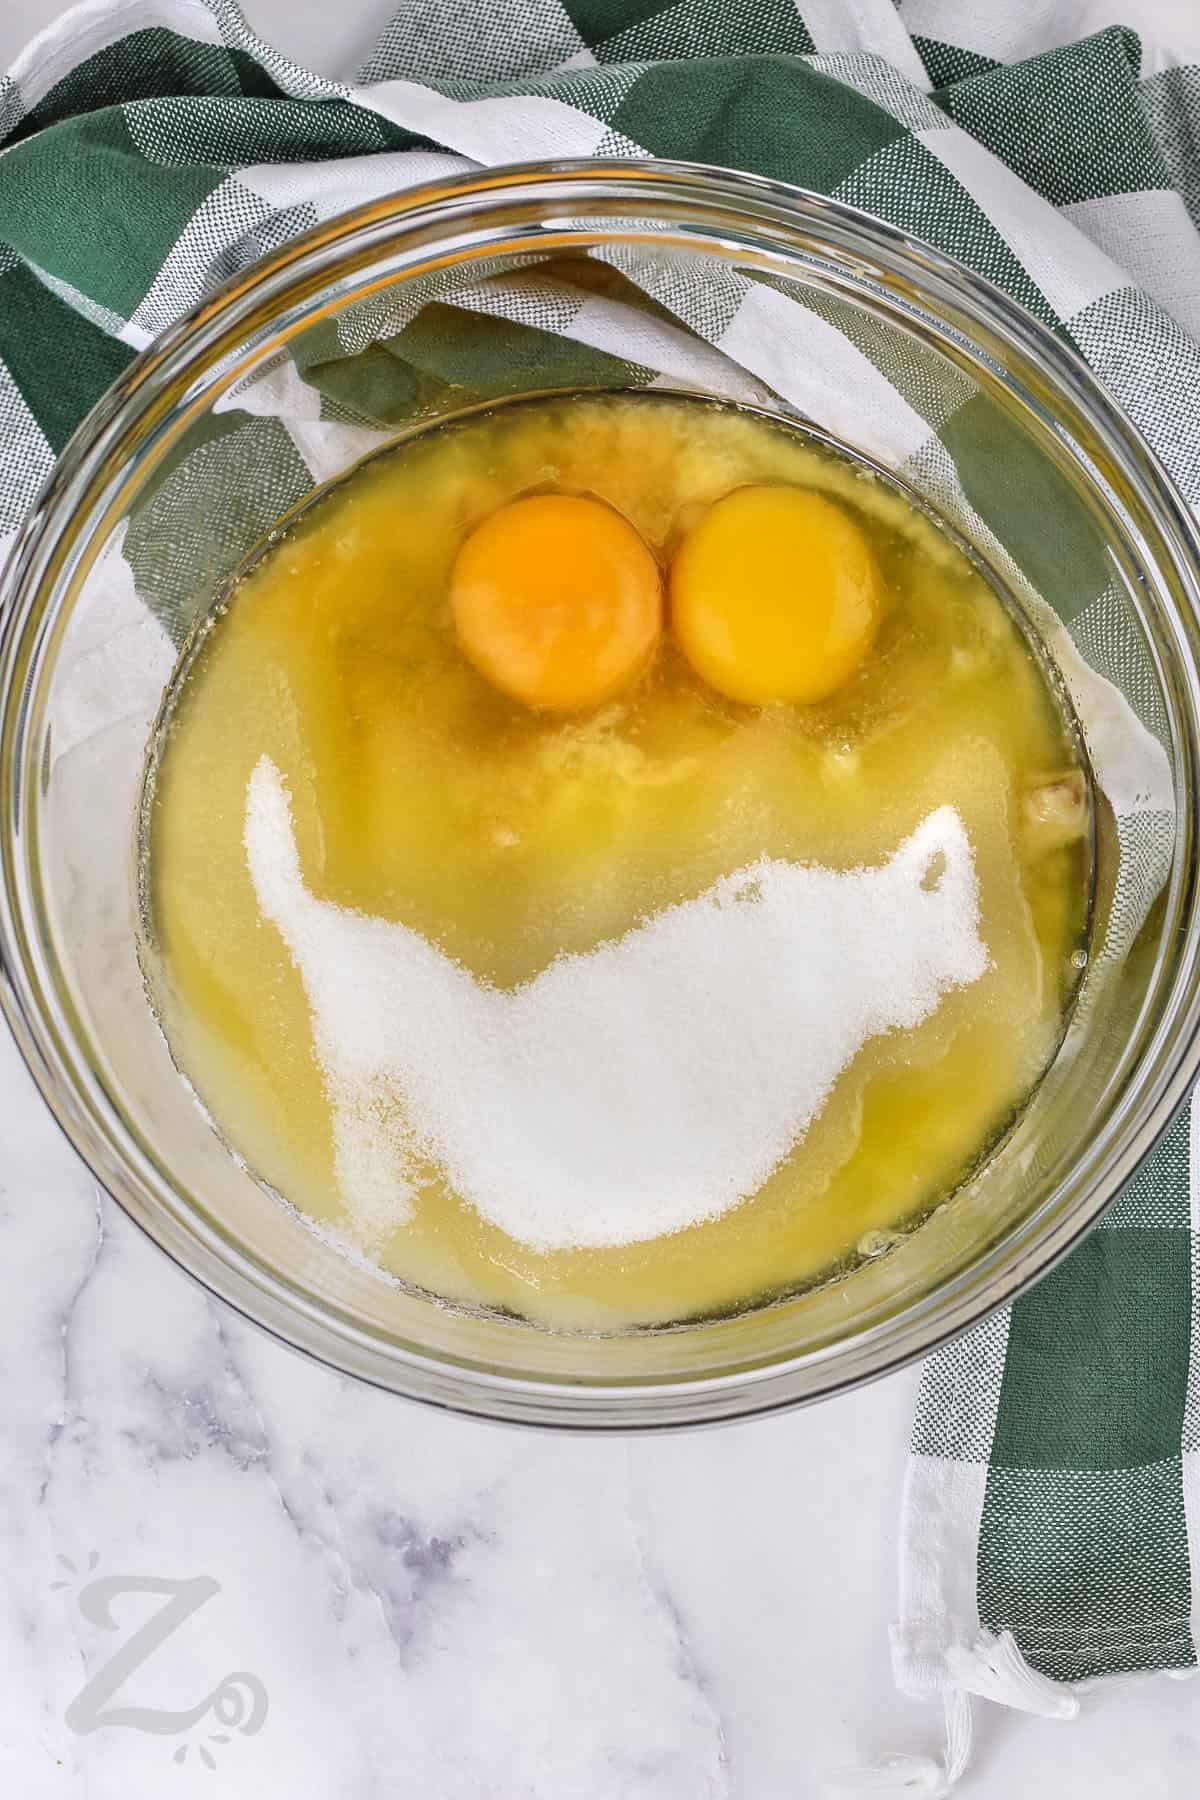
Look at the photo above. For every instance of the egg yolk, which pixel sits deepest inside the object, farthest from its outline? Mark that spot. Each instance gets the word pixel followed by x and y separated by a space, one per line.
pixel 557 601
pixel 775 595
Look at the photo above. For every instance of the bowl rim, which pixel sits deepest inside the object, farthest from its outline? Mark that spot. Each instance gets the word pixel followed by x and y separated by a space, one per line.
pixel 1004 1268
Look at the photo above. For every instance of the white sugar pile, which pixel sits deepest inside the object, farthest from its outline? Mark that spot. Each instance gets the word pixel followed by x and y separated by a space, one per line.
pixel 649 1084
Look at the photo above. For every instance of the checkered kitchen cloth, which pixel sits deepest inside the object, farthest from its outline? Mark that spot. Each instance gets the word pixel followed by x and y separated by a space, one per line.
pixel 1051 1528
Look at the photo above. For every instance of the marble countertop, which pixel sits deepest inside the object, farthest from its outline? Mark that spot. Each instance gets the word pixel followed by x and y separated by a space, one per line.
pixel 230 1572
pixel 428 1606
pixel 197 1524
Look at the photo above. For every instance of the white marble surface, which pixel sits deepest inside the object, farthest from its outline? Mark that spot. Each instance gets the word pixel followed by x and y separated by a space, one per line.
pixel 437 1609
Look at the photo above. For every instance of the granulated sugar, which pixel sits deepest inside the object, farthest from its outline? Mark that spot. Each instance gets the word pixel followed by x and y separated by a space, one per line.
pixel 628 1092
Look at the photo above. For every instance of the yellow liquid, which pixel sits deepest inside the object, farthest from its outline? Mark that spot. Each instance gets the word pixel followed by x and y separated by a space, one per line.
pixel 421 794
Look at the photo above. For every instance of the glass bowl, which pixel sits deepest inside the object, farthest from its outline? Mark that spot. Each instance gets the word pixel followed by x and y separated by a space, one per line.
pixel 413 308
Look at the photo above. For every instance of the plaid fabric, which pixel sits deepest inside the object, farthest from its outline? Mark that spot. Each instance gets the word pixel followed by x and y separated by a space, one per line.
pixel 152 147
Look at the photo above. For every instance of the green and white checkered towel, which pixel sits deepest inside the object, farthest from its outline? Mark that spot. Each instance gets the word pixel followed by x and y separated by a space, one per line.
pixel 1051 1530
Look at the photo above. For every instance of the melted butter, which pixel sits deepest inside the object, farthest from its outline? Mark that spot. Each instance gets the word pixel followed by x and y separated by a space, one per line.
pixel 422 795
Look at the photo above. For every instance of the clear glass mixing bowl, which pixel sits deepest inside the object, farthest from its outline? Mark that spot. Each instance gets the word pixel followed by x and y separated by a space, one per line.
pixel 411 309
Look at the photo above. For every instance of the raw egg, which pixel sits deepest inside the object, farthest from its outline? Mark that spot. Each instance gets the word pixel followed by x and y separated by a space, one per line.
pixel 557 601
pixel 775 595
